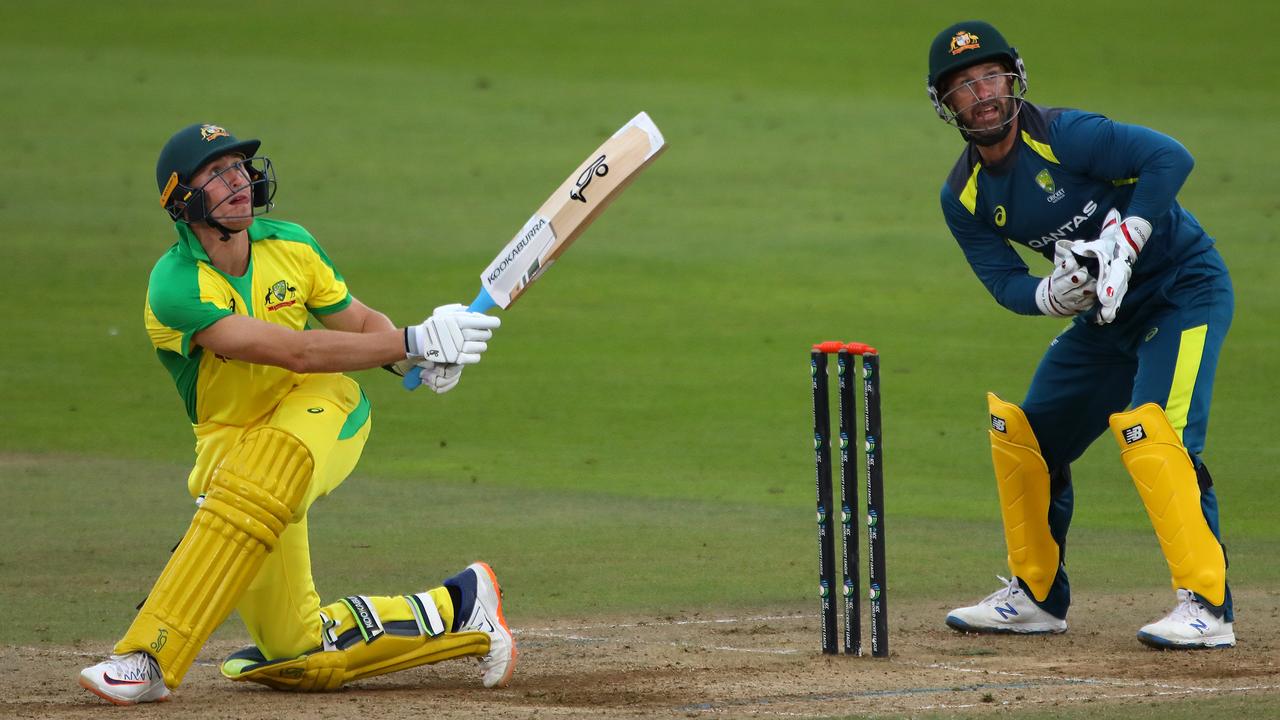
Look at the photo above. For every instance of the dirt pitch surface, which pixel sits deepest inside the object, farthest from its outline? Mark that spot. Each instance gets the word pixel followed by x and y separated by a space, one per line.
pixel 750 665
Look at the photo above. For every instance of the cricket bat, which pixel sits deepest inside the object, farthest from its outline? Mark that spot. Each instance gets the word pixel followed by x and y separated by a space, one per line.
pixel 565 215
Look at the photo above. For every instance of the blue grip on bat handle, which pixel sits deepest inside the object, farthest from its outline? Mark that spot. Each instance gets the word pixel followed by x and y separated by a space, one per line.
pixel 483 302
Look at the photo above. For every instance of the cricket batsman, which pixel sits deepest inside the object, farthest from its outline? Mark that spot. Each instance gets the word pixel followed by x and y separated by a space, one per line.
pixel 1148 301
pixel 277 425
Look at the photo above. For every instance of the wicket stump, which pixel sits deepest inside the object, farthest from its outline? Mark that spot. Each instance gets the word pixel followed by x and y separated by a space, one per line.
pixel 873 448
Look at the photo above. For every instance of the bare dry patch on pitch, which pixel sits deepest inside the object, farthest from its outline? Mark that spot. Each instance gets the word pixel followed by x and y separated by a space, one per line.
pixel 753 665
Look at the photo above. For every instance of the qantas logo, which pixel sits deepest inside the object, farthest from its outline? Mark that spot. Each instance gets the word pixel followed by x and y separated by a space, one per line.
pixel 594 170
pixel 1067 231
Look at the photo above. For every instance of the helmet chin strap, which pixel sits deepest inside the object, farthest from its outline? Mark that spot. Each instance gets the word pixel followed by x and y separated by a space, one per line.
pixel 226 232
pixel 987 140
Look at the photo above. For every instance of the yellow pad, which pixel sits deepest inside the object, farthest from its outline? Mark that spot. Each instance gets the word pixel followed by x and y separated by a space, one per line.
pixel 329 669
pixel 377 635
pixel 1023 480
pixel 252 497
pixel 1166 479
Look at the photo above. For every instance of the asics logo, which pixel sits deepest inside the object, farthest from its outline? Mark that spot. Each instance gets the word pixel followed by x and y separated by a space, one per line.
pixel 1006 611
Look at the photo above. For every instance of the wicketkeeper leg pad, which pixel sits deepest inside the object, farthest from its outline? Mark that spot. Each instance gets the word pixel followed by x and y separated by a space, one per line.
pixel 1023 481
pixel 1166 479
pixel 252 497
pixel 363 637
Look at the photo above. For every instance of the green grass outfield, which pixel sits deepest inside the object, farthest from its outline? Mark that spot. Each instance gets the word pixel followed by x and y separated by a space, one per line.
pixel 637 441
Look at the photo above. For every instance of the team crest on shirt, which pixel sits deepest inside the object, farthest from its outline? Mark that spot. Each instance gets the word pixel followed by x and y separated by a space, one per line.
pixel 209 133
pixel 281 295
pixel 962 41
pixel 1045 181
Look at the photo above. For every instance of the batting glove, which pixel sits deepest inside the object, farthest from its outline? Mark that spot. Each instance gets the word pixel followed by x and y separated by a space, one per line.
pixel 451 336
pixel 439 377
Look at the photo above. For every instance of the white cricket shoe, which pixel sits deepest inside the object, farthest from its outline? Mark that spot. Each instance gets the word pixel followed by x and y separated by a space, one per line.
pixel 126 679
pixel 1190 626
pixel 1007 610
pixel 486 616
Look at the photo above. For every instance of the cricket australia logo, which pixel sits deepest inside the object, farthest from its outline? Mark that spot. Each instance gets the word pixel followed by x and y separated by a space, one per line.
pixel 1134 434
pixel 1045 181
pixel 598 168
pixel 998 424
pixel 963 41
pixel 209 133
pixel 280 296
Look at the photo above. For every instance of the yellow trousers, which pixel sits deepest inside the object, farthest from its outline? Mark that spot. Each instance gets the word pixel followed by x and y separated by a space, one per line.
pixel 281 609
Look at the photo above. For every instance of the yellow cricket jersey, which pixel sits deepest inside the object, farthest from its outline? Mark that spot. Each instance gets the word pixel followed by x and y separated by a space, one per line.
pixel 289 276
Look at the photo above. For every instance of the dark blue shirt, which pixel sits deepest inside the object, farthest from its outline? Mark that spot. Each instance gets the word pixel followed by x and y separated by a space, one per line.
pixel 1065 171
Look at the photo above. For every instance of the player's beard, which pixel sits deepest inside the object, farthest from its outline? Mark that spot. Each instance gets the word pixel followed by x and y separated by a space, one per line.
pixel 992 135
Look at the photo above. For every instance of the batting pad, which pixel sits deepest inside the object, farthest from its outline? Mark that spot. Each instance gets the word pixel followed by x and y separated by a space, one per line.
pixel 1166 479
pixel 1023 480
pixel 252 496
pixel 363 637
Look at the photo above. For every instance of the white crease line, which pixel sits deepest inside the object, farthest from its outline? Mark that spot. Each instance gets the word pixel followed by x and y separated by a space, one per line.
pixel 642 641
pixel 1104 696
pixel 1066 678
pixel 666 623
pixel 84 654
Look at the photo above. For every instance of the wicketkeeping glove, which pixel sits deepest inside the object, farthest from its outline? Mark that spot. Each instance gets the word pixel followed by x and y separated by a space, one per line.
pixel 1070 290
pixel 1124 240
pixel 451 336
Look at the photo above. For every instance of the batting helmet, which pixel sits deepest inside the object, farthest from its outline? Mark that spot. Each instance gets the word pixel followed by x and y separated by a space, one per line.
pixel 190 149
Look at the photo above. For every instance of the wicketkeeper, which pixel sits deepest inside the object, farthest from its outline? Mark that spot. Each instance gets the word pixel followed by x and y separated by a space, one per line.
pixel 1149 301
pixel 277 426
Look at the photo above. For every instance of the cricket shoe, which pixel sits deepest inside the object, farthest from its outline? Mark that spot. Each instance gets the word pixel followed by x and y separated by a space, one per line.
pixel 126 679
pixel 1007 610
pixel 1189 627
pixel 481 607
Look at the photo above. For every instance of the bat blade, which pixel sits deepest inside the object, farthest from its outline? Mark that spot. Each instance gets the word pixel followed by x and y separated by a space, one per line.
pixel 569 211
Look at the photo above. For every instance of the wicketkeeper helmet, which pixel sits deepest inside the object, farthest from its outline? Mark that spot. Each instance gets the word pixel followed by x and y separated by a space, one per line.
pixel 964 44
pixel 187 151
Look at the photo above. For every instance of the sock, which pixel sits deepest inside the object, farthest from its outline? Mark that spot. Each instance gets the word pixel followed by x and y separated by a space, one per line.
pixel 455 594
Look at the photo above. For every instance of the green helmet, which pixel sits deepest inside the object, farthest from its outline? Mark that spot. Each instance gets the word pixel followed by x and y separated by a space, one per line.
pixel 967 43
pixel 190 149
pixel 964 44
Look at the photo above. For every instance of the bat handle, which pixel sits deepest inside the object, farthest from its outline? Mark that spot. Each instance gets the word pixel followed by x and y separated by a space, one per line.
pixel 412 379
pixel 483 302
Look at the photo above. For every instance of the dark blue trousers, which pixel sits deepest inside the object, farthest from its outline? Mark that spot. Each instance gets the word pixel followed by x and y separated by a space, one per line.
pixel 1164 351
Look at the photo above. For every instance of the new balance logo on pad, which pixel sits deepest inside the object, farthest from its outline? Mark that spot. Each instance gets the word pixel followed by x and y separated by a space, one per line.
pixel 1134 434
pixel 998 424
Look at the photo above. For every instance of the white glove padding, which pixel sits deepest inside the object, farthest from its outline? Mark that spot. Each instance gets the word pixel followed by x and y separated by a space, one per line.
pixel 1124 240
pixel 1070 290
pixel 440 377
pixel 450 336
